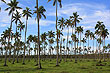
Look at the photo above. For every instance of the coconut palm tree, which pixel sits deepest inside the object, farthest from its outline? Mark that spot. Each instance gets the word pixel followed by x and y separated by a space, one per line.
pixel 55 2
pixel 73 36
pixel 59 33
pixel 40 12
pixel 16 19
pixel 67 24
pixel 92 36
pixel 13 5
pixel 100 42
pixel 76 19
pixel 29 40
pixel 87 35
pixel 44 37
pixel 26 13
pixel 108 46
pixel 5 35
pixel 61 24
pixel 80 31
pixel 105 34
pixel 83 41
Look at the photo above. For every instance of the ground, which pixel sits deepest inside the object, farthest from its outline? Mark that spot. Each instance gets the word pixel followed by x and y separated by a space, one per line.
pixel 49 67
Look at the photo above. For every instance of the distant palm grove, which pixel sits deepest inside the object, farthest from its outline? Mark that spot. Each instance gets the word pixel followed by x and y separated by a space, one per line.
pixel 51 45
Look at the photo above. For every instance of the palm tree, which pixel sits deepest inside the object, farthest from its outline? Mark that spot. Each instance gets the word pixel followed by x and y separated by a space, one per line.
pixel 100 42
pixel 59 33
pixel 16 18
pixel 13 5
pixel 87 35
pixel 55 2
pixel 5 35
pixel 44 37
pixel 40 12
pixel 92 36
pixel 29 40
pixel 73 36
pixel 108 46
pixel 67 23
pixel 83 41
pixel 61 24
pixel 26 13
pixel 64 46
pixel 80 31
pixel 76 19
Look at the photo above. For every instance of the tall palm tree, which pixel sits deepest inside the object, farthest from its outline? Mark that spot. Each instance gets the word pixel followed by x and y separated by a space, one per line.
pixel 16 18
pixel 83 41
pixel 29 40
pixel 5 35
pixel 26 13
pixel 92 36
pixel 87 35
pixel 13 5
pixel 105 34
pixel 56 2
pixel 67 23
pixel 40 12
pixel 73 36
pixel 61 24
pixel 76 19
pixel 44 37
pixel 17 45
pixel 100 42
pixel 59 33
pixel 81 31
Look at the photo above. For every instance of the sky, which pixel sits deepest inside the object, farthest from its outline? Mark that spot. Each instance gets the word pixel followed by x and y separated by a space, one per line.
pixel 90 11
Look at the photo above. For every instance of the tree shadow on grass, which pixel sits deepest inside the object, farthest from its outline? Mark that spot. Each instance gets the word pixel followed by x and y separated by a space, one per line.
pixel 19 70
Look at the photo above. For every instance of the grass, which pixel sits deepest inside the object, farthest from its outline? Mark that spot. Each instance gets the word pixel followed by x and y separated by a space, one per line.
pixel 49 67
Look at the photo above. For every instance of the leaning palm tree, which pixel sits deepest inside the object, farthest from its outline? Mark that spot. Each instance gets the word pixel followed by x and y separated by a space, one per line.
pixel 56 2
pixel 40 12
pixel 26 13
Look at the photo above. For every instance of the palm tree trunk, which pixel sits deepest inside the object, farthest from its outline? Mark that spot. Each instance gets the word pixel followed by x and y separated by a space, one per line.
pixel 103 51
pixel 5 64
pixel 38 35
pixel 93 48
pixel 17 55
pixel 61 49
pixel 9 38
pixel 25 43
pixel 67 43
pixel 57 64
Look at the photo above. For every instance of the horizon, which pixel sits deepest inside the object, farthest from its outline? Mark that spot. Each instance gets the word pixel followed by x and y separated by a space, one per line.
pixel 89 11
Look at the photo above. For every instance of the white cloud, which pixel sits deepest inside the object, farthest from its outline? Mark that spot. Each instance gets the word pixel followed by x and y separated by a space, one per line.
pixel 3 25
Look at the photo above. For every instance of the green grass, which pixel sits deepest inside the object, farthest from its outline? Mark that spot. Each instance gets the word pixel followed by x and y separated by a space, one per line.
pixel 49 67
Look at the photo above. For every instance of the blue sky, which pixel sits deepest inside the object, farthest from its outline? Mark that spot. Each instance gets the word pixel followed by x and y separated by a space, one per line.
pixel 90 10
